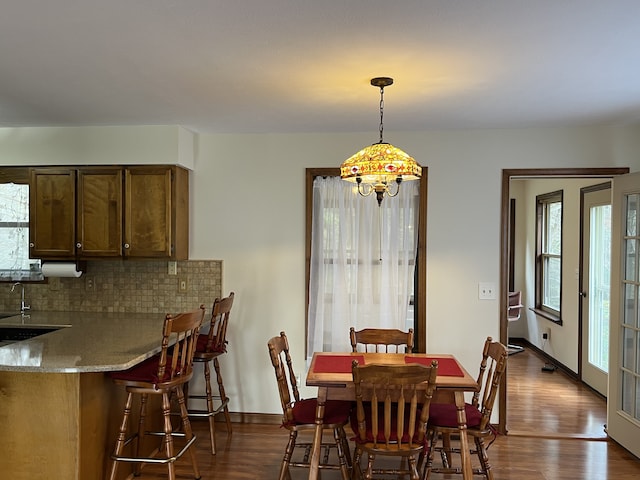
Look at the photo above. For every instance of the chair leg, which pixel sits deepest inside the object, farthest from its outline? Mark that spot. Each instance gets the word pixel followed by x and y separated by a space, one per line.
pixel 446 450
pixel 346 447
pixel 212 423
pixel 413 471
pixel 428 460
pixel 223 396
pixel 168 439
pixel 122 435
pixel 288 452
pixel 141 432
pixel 186 428
pixel 484 458
pixel 368 475
pixel 356 471
pixel 338 434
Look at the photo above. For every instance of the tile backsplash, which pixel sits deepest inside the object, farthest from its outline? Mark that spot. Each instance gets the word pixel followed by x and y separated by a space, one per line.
pixel 136 286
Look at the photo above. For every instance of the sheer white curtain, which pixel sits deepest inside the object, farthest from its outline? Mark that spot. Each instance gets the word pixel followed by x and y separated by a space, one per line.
pixel 362 262
pixel 14 232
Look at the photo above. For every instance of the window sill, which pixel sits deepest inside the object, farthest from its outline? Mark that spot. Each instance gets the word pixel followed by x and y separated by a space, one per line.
pixel 549 316
pixel 24 276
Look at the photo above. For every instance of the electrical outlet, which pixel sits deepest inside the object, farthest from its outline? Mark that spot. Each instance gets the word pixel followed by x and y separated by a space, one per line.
pixel 546 333
pixel 172 268
pixel 487 291
pixel 183 285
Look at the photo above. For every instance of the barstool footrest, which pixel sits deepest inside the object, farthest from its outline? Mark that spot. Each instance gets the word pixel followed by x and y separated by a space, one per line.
pixel 204 413
pixel 182 451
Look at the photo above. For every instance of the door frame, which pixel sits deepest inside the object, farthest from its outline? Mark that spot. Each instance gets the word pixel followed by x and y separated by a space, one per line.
pixel 507 175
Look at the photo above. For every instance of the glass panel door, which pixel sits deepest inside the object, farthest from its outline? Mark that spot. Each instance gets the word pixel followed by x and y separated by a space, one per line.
pixel 623 407
pixel 596 287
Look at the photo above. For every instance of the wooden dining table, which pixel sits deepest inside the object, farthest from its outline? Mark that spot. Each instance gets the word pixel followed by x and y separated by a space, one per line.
pixel 331 373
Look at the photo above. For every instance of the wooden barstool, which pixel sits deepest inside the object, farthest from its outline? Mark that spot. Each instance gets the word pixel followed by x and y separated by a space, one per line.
pixel 210 346
pixel 163 374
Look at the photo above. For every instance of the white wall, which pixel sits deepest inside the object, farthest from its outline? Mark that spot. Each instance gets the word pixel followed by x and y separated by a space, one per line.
pixel 256 183
pixel 248 210
pixel 165 144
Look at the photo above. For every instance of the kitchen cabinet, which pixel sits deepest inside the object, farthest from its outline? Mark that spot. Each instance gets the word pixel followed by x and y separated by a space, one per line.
pixel 52 232
pixel 156 212
pixel 99 212
pixel 105 212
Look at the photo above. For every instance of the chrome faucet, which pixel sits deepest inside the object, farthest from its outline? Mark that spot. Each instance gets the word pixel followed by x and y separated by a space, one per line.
pixel 23 306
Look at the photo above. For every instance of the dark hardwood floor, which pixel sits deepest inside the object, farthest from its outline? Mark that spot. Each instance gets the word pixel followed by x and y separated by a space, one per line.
pixel 556 432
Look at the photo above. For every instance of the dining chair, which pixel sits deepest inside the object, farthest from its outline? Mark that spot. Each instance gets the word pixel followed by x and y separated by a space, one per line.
pixel 393 419
pixel 299 415
pixel 372 339
pixel 164 374
pixel 443 421
pixel 209 348
pixel 514 308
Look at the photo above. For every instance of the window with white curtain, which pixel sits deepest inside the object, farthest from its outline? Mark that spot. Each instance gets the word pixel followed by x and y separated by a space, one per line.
pixel 362 262
pixel 15 263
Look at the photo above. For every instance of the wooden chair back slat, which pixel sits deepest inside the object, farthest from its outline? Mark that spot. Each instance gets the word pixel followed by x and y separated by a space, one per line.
pixel 184 327
pixel 381 339
pixel 396 388
pixel 217 335
pixel 492 367
pixel 285 374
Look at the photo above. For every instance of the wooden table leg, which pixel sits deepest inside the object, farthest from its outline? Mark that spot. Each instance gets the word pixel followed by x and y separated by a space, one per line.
pixel 317 437
pixel 467 471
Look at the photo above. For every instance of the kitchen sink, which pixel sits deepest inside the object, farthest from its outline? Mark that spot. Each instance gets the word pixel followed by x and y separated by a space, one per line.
pixel 24 332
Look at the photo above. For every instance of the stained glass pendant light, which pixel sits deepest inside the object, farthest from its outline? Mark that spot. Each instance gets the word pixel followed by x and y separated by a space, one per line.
pixel 378 167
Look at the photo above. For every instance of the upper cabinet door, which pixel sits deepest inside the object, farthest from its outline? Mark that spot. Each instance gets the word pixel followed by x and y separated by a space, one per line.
pixel 99 219
pixel 52 207
pixel 156 212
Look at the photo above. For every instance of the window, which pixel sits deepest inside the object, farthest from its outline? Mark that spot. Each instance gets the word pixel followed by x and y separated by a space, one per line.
pixel 15 264
pixel 549 255
pixel 369 239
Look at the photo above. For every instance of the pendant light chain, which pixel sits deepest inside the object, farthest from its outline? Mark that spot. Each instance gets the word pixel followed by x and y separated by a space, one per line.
pixel 381 112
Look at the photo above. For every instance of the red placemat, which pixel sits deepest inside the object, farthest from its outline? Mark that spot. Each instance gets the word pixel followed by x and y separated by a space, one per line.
pixel 447 367
pixel 336 363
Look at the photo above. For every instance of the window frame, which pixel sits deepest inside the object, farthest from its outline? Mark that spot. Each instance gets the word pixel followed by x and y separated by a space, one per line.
pixel 420 287
pixel 543 255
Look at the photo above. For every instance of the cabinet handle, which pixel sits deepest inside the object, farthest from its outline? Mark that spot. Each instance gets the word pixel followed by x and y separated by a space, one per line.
pixel 78 245
pixel 126 245
pixel 32 245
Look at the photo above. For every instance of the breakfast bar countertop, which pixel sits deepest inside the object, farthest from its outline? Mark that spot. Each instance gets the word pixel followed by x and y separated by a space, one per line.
pixel 85 342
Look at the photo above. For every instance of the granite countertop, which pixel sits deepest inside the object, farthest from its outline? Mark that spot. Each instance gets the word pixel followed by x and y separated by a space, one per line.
pixel 85 342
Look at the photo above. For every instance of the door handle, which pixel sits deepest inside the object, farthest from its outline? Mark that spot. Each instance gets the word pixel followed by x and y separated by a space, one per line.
pixel 583 294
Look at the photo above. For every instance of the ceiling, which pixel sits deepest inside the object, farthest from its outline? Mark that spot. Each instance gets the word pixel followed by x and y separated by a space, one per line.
pixel 290 66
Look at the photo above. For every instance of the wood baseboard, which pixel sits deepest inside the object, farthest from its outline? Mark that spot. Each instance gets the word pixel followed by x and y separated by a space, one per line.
pixel 250 418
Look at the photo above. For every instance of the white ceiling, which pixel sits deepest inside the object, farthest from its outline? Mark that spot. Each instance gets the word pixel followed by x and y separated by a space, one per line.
pixel 281 66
